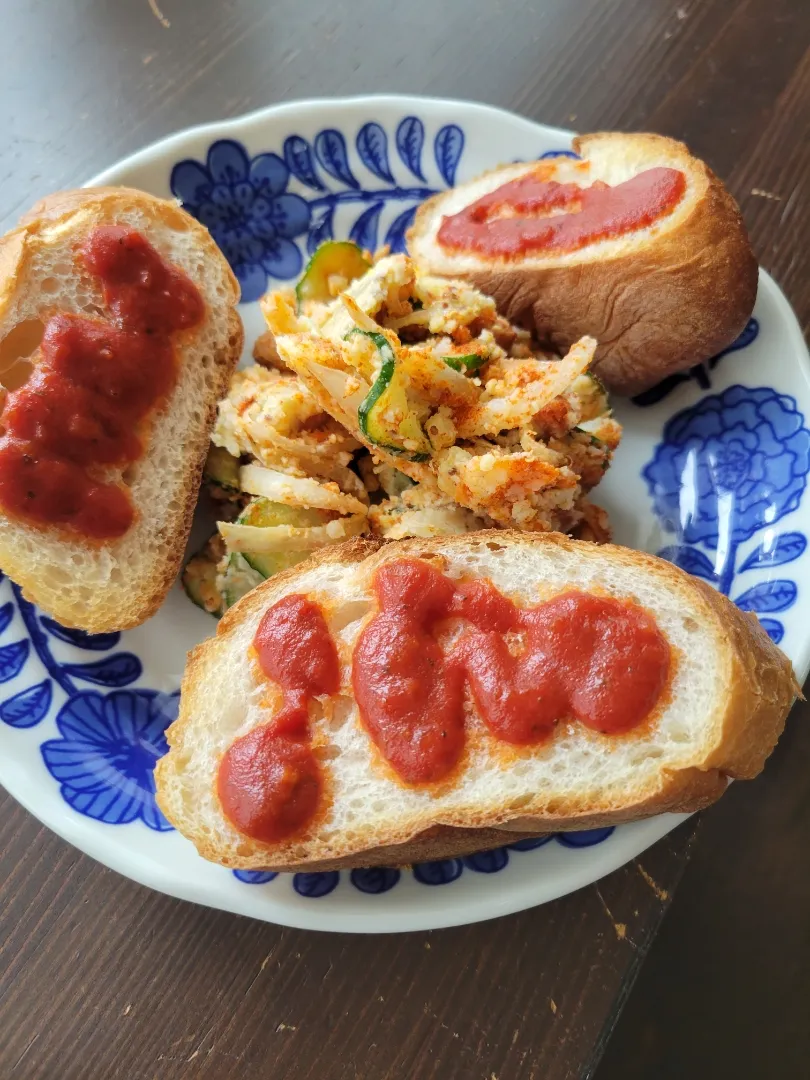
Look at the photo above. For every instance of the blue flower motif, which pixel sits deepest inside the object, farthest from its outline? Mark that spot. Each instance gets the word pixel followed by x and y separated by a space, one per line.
pixel 730 465
pixel 245 205
pixel 105 757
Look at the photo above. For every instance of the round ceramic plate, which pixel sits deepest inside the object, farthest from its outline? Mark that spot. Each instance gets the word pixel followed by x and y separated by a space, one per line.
pixel 711 473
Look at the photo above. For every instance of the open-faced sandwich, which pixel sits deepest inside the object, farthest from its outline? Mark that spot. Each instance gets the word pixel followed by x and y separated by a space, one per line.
pixel 118 335
pixel 635 242
pixel 383 703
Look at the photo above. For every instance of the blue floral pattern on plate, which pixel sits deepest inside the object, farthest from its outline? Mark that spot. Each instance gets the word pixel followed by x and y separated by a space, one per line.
pixel 29 706
pixel 381 879
pixel 245 204
pixel 726 471
pixel 105 757
pixel 700 373
pixel 730 467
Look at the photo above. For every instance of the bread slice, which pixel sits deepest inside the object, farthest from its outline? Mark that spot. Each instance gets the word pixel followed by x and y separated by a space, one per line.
pixel 658 299
pixel 728 699
pixel 118 584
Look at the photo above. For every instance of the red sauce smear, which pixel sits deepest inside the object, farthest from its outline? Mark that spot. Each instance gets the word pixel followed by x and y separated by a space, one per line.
pixel 523 216
pixel 598 660
pixel 269 781
pixel 83 408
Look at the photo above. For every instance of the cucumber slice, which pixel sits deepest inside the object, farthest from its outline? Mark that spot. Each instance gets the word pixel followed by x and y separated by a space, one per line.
pixel 239 578
pixel 471 362
pixel 199 579
pixel 333 258
pixel 386 398
pixel 263 513
pixel 221 469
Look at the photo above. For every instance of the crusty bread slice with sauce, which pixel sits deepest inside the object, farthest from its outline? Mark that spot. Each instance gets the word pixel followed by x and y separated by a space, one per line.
pixel 720 716
pixel 658 299
pixel 117 584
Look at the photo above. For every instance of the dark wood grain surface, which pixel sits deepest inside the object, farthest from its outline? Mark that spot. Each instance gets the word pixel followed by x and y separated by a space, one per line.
pixel 99 977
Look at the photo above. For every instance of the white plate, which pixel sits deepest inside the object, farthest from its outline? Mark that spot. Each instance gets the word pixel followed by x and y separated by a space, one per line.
pixel 82 719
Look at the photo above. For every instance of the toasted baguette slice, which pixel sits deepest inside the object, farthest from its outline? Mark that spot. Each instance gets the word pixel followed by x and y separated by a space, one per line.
pixel 119 584
pixel 730 693
pixel 658 299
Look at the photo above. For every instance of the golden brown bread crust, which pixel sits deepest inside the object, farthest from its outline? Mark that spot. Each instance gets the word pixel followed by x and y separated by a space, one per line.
pixel 761 686
pixel 16 249
pixel 439 842
pixel 749 719
pixel 680 299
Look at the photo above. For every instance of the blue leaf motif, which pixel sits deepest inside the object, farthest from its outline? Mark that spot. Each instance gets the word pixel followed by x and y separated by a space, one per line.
pixel 118 670
pixel 298 157
pixel 776 595
pixel 321 229
pixel 395 237
pixel 372 146
pixel 330 149
pixel 375 879
pixel 439 872
pixel 447 147
pixel 316 885
pixel 410 140
pixel 559 153
pixel 255 877
pixel 689 559
pixel 742 341
pixel 80 638
pixel 6 611
pixel 773 628
pixel 530 843
pixel 12 658
pixel 788 546
pixel 585 837
pixel 26 709
pixel 364 231
pixel 488 862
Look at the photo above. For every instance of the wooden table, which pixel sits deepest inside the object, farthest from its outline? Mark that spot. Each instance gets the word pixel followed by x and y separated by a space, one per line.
pixel 101 978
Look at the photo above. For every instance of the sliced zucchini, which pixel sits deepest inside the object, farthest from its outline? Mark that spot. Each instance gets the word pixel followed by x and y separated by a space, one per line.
pixel 239 578
pixel 262 513
pixel 471 362
pixel 386 399
pixel 334 258
pixel 594 440
pixel 199 579
pixel 221 469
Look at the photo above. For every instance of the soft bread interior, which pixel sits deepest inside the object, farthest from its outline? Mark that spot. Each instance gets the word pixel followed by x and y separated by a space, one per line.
pixel 612 159
pixel 112 584
pixel 578 773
